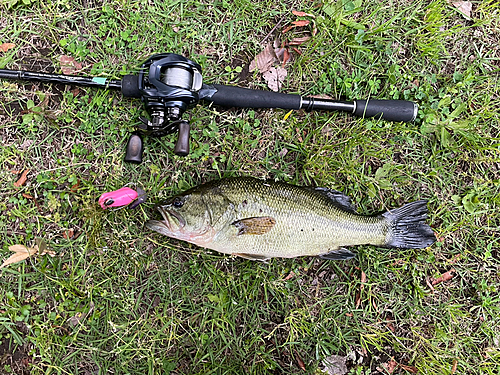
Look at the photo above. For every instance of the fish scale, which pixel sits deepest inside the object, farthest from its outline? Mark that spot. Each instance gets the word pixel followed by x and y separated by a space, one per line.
pixel 260 219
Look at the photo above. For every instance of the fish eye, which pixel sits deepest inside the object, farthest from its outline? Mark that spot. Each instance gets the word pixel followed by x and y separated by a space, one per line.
pixel 177 202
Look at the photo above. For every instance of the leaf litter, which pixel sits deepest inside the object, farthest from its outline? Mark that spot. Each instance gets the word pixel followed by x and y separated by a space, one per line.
pixel 22 180
pixel 22 252
pixel 266 62
pixel 335 365
pixel 4 47
pixel 69 65
pixel 444 277
pixel 464 7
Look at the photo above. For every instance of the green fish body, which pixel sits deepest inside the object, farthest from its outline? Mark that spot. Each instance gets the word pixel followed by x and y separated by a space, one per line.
pixel 259 219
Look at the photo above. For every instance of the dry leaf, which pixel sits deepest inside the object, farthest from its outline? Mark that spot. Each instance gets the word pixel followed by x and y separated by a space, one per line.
pixel 68 234
pixel 264 60
pixel 464 7
pixel 444 277
pixel 358 299
pixel 363 279
pixel 275 78
pixel 390 366
pixel 299 41
pixel 21 253
pixel 411 369
pixel 6 46
pixel 301 23
pixel 335 365
pixel 69 65
pixel 302 14
pixel 286 56
pixel 22 180
pixel 290 275
pixel 390 325
pixel 75 187
pixel 454 367
pixel 300 362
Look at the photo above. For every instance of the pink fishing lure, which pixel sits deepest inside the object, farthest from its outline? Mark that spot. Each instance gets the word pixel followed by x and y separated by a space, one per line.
pixel 118 198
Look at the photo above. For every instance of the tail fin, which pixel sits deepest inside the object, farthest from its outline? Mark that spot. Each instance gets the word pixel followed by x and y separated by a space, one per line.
pixel 408 229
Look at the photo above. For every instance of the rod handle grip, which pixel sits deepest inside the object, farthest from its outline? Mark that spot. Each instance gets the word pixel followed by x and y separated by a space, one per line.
pixel 233 96
pixel 390 110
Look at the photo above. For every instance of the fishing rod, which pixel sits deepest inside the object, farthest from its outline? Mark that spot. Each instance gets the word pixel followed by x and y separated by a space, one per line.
pixel 168 84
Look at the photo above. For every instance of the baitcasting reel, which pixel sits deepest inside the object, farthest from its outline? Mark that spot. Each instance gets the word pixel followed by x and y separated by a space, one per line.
pixel 169 83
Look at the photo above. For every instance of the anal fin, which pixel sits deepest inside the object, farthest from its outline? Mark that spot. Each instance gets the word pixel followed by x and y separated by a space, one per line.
pixel 339 254
pixel 261 258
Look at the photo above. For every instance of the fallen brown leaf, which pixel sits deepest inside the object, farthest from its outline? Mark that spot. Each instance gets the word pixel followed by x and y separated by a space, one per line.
pixel 286 57
pixel 444 277
pixel 363 279
pixel 299 41
pixel 4 47
pixel 75 187
pixel 454 367
pixel 335 365
pixel 275 78
pixel 264 60
pixel 21 253
pixel 290 275
pixel 300 362
pixel 299 13
pixel 22 180
pixel 390 366
pixel 358 299
pixel 411 369
pixel 301 23
pixel 465 7
pixel 69 65
pixel 27 196
pixel 68 234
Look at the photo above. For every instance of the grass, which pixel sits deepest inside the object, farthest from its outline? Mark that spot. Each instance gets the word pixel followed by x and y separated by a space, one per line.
pixel 119 299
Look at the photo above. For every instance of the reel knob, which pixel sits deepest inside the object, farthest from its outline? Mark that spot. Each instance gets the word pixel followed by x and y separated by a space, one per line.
pixel 182 146
pixel 135 148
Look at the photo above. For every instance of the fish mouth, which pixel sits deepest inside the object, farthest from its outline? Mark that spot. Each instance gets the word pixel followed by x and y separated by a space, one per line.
pixel 171 219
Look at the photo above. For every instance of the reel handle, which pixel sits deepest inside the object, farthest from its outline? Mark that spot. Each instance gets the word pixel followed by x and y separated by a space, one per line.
pixel 135 147
pixel 182 146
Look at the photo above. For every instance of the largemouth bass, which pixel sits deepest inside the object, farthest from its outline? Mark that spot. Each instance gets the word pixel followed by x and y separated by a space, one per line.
pixel 257 219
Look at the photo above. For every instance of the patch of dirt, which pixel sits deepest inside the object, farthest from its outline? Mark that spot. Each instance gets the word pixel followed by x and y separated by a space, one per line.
pixel 17 358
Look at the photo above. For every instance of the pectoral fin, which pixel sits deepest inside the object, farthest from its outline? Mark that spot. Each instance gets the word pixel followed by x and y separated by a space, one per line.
pixel 262 258
pixel 254 225
pixel 339 254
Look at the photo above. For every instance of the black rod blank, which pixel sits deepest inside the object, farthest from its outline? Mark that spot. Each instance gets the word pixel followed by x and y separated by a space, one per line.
pixel 63 79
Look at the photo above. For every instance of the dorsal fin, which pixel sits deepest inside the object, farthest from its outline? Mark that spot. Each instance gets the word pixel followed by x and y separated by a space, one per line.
pixel 336 197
